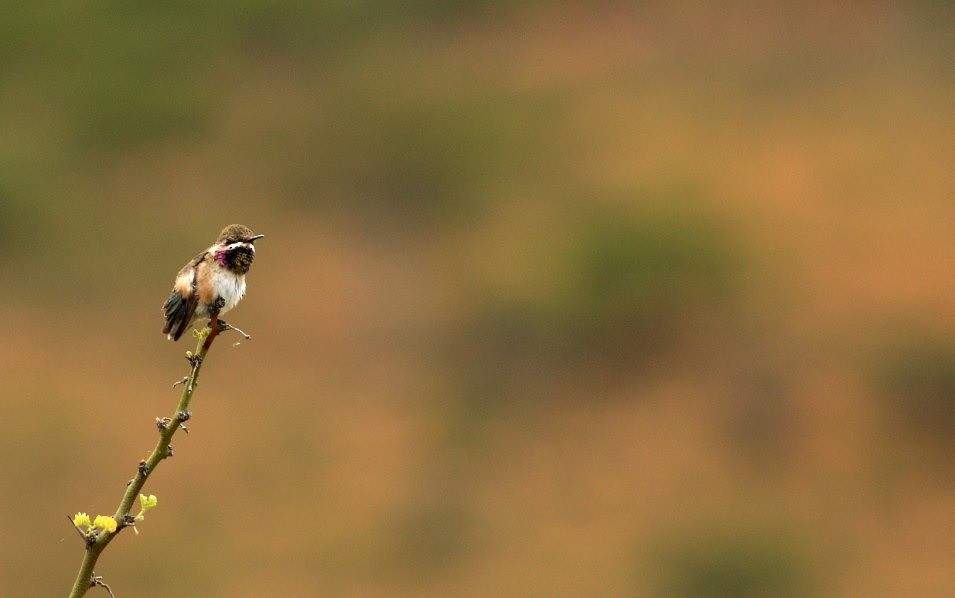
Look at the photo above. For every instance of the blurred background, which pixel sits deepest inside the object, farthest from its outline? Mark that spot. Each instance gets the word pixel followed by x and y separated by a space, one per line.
pixel 556 299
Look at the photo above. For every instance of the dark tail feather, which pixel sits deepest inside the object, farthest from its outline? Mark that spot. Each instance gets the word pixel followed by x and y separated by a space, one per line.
pixel 177 314
pixel 183 324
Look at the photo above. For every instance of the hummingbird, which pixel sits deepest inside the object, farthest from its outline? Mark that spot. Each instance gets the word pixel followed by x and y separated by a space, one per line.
pixel 211 283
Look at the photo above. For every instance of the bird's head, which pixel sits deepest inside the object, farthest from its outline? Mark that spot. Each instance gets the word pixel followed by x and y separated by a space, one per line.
pixel 237 233
pixel 235 248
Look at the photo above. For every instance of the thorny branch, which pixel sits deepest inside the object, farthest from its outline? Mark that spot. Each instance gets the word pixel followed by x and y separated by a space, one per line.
pixel 97 541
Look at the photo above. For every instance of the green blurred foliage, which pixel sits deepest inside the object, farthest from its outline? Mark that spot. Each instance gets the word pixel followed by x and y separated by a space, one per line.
pixel 635 275
pixel 918 377
pixel 406 164
pixel 130 74
pixel 433 536
pixel 733 563
pixel 638 272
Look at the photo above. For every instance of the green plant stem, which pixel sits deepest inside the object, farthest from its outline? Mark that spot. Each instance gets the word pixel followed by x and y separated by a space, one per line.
pixel 84 578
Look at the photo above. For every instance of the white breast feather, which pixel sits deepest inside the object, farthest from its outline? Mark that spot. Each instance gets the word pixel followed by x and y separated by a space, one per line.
pixel 229 286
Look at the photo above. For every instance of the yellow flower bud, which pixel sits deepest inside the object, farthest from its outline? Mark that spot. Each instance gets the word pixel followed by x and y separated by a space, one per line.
pixel 81 520
pixel 105 522
pixel 147 502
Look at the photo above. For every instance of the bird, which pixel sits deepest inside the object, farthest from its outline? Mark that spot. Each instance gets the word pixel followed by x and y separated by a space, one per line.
pixel 211 283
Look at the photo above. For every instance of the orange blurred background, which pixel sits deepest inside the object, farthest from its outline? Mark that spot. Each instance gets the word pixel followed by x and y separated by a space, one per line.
pixel 556 299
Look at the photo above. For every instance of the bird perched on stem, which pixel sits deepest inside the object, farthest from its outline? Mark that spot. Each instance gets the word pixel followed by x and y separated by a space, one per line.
pixel 211 283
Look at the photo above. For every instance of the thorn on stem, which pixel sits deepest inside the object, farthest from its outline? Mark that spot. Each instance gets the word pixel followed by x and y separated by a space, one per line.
pixel 194 359
pixel 178 382
pixel 97 581
pixel 169 451
pixel 78 530
pixel 244 335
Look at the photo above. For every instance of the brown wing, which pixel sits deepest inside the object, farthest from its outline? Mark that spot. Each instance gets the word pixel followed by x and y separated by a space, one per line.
pixel 181 305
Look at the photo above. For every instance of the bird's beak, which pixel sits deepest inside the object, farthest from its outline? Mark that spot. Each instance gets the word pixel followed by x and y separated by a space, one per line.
pixel 255 238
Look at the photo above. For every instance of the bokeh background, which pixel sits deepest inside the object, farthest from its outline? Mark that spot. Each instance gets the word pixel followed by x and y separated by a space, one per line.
pixel 556 299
